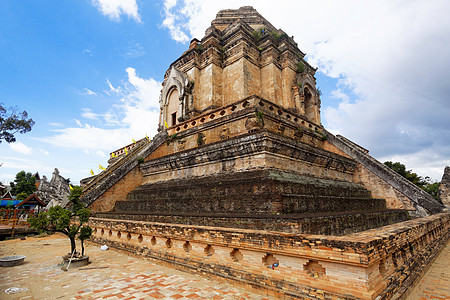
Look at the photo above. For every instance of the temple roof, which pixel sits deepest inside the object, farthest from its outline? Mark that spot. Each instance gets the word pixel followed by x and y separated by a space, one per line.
pixel 33 199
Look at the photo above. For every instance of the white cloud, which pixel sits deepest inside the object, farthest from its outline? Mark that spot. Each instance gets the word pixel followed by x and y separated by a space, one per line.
pixel 426 162
pixel 88 114
pixel 112 88
pixel 135 115
pixel 134 50
pixel 78 123
pixel 175 22
pixel 339 94
pixel 115 8
pixel 20 147
pixel 13 165
pixel 87 51
pixel 390 59
pixel 88 92
pixel 55 124
pixel 45 152
pixel 100 153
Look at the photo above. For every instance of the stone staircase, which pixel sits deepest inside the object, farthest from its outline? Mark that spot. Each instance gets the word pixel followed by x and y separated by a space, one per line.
pixel 115 171
pixel 424 202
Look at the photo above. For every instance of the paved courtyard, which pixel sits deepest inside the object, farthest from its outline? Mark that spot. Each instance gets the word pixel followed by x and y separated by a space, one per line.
pixel 115 275
pixel 111 275
pixel 436 282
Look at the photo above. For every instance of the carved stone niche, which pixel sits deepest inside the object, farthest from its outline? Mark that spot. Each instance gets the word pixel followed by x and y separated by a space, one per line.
pixel 224 133
pixel 254 123
pixel 176 100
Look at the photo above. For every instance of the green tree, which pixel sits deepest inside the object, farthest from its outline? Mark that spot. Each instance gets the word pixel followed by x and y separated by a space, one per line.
pixel 427 184
pixel 70 221
pixel 24 184
pixel 431 187
pixel 21 196
pixel 12 122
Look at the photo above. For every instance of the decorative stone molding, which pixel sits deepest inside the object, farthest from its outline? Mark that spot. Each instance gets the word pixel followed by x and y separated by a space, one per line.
pixel 180 81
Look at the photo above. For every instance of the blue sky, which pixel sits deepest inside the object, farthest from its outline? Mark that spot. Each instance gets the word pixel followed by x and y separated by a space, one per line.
pixel 89 73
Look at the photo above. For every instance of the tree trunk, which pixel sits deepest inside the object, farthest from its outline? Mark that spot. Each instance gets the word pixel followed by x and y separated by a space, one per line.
pixel 82 248
pixel 72 244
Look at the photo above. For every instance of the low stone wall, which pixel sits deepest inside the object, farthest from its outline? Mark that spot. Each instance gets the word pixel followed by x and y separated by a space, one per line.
pixel 378 262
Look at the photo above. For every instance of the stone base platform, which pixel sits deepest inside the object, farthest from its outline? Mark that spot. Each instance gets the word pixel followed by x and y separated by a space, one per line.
pixel 330 223
pixel 265 199
pixel 376 263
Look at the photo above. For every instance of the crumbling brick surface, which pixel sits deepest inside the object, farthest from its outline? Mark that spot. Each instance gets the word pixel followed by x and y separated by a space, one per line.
pixel 363 265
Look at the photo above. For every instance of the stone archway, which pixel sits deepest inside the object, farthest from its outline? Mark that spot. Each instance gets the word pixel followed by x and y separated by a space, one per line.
pixel 172 106
pixel 175 99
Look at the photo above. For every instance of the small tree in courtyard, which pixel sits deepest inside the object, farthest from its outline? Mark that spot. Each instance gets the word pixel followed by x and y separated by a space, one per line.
pixel 70 221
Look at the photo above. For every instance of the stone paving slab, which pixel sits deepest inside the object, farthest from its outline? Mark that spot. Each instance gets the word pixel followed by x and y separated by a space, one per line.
pixel 111 275
pixel 435 284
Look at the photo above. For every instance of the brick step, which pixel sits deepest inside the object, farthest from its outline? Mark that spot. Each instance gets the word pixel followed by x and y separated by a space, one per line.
pixel 255 192
pixel 335 223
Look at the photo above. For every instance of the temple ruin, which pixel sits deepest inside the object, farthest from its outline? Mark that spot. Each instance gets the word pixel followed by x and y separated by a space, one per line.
pixel 243 182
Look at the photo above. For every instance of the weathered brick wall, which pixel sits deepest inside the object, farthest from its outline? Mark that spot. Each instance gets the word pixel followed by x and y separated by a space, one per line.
pixel 118 191
pixel 231 64
pixel 363 265
pixel 380 188
pixel 250 151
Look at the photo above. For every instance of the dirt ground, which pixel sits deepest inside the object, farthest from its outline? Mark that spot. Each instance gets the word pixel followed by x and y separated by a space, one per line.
pixel 111 274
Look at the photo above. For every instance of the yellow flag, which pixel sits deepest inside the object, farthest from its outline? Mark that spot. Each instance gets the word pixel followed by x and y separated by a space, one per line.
pixel 134 142
pixel 165 124
pixel 92 172
pixel 126 152
pixel 146 137
pixel 70 187
pixel 101 167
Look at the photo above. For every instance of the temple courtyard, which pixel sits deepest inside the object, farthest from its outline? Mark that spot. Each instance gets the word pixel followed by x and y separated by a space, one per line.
pixel 116 275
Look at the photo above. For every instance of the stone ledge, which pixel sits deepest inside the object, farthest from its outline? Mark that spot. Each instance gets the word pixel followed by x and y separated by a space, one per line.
pixel 326 223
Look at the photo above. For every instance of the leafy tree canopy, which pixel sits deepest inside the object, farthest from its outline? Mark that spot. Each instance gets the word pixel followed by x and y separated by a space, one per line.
pixel 69 221
pixel 24 184
pixel 427 184
pixel 12 122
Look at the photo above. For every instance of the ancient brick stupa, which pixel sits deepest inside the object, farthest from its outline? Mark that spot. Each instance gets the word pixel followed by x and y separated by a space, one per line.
pixel 242 173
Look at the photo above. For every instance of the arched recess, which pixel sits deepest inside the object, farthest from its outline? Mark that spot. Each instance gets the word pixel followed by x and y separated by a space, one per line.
pixel 176 99
pixel 173 103
pixel 311 104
